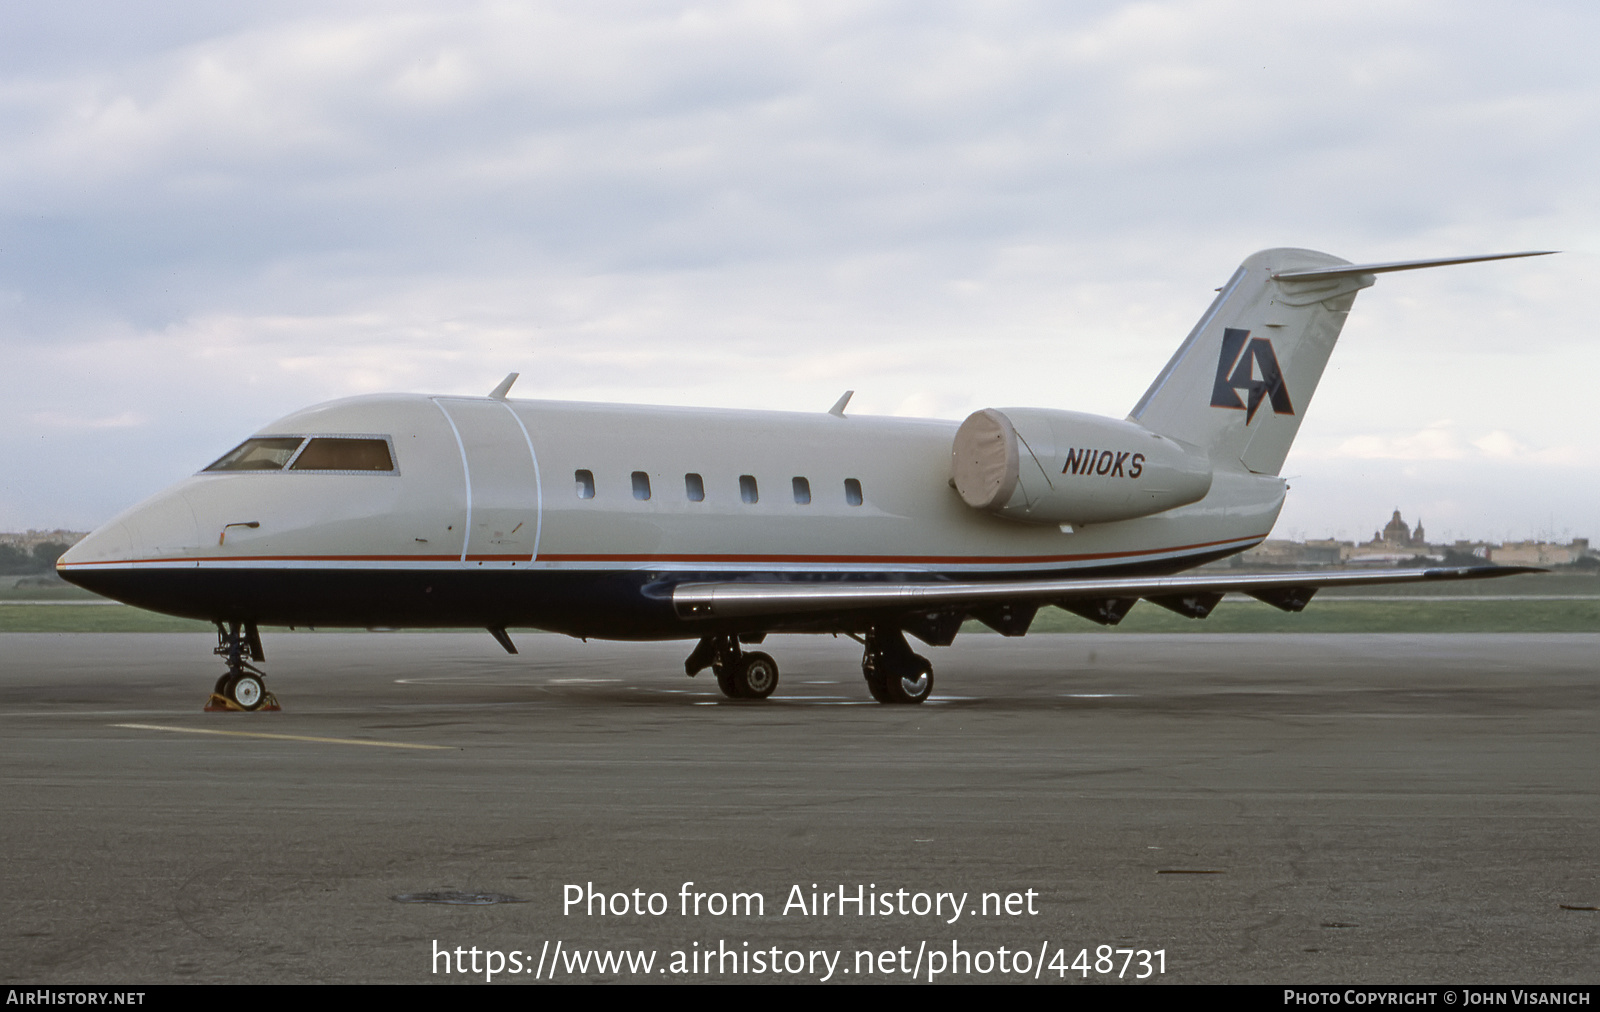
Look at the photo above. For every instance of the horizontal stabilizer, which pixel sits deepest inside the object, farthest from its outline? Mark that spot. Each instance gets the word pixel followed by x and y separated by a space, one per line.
pixel 748 600
pixel 1355 270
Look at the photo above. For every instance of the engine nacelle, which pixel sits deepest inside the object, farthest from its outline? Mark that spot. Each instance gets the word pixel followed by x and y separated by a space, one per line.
pixel 1062 467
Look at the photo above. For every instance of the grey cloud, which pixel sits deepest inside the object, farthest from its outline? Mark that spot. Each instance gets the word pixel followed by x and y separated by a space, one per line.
pixel 753 204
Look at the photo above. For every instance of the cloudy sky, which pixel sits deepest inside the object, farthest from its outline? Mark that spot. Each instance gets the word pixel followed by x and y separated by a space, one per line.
pixel 213 214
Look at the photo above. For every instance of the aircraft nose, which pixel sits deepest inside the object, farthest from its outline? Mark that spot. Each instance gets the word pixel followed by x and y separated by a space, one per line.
pixel 164 527
pixel 160 529
pixel 86 562
pixel 111 543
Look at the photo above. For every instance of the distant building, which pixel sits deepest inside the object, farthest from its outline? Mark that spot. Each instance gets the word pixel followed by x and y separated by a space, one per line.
pixel 1397 535
pixel 1539 553
pixel 1476 549
pixel 1277 552
pixel 1398 542
pixel 28 540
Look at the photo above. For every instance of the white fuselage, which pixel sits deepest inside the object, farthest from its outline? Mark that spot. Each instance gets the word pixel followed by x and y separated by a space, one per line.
pixel 485 486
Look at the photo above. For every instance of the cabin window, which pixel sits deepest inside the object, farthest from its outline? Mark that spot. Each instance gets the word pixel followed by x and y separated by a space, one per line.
pixel 339 453
pixel 268 454
pixel 802 492
pixel 852 491
pixel 585 481
pixel 641 486
pixel 747 488
pixel 694 487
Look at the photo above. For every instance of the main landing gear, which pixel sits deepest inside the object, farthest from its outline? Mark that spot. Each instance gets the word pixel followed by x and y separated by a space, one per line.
pixel 740 675
pixel 894 673
pixel 244 686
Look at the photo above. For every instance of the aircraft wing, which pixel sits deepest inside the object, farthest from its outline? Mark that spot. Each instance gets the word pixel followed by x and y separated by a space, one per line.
pixel 1105 599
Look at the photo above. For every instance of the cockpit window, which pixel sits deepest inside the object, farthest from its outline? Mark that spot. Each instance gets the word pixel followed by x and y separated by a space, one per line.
pixel 259 454
pixel 338 453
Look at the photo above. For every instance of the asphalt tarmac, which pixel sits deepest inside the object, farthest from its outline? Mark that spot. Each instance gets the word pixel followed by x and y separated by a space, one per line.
pixel 1278 809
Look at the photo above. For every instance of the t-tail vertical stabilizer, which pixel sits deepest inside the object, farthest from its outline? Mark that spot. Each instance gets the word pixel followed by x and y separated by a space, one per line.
pixel 1242 380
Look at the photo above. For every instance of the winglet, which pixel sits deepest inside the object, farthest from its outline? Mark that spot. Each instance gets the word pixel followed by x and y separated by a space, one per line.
pixel 838 405
pixel 1351 270
pixel 499 392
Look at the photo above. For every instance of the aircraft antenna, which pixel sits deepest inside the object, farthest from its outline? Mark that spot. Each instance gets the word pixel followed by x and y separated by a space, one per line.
pixel 499 392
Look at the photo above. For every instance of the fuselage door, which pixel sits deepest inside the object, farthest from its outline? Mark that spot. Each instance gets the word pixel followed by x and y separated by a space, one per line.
pixel 502 482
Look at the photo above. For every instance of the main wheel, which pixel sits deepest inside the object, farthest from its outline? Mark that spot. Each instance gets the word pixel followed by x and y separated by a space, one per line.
pixel 758 676
pixel 911 684
pixel 875 681
pixel 727 679
pixel 247 690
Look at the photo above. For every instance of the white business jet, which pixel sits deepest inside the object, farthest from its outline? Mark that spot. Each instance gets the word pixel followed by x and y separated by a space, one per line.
pixel 626 522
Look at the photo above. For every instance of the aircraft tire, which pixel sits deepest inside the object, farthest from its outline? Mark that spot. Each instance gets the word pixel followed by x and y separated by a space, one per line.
pixel 758 676
pixel 876 684
pixel 247 691
pixel 726 681
pixel 912 684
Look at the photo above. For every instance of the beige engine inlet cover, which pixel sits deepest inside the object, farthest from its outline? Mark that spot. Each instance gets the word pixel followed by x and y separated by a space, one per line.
pixel 984 459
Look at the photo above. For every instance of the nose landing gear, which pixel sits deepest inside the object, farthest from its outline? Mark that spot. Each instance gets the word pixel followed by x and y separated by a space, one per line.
pixel 243 687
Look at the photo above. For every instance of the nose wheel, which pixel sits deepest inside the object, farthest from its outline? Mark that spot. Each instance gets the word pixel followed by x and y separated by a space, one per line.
pixel 243 687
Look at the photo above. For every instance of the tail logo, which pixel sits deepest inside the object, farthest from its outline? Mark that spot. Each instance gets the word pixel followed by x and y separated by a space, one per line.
pixel 1249 364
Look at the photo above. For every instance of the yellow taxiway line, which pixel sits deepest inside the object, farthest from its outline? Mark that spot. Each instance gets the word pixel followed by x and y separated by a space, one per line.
pixel 282 737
